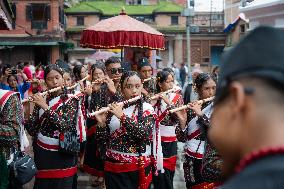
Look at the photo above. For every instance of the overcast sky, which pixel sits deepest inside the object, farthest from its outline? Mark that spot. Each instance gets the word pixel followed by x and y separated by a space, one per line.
pixel 204 5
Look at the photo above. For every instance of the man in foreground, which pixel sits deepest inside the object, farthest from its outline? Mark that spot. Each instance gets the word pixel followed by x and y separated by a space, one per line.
pixel 248 122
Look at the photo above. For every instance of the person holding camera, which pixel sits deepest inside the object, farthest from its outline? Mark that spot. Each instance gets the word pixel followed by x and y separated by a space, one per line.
pixel 10 81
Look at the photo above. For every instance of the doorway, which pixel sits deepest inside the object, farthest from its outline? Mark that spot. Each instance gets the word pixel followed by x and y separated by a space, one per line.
pixel 42 55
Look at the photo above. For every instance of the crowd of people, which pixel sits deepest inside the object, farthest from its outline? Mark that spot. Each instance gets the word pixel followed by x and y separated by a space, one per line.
pixel 122 127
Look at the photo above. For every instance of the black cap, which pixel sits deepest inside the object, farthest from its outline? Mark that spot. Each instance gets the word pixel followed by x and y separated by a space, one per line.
pixel 143 62
pixel 260 53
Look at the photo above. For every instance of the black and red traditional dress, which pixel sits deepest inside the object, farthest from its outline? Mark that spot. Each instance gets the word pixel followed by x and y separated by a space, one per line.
pixel 165 144
pixel 128 153
pixel 84 100
pixel 195 145
pixel 11 116
pixel 56 169
pixel 95 149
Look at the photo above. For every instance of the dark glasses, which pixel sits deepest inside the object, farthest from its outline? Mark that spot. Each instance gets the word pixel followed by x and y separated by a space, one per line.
pixel 116 70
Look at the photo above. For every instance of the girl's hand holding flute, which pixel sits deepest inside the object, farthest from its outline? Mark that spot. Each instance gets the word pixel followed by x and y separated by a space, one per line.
pixel 116 109
pixel 196 107
pixel 39 100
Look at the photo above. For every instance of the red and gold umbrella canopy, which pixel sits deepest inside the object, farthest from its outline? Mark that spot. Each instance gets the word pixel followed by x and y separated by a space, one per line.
pixel 122 31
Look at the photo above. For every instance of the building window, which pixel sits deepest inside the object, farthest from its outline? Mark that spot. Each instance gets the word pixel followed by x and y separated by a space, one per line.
pixel 38 14
pixel 242 28
pixel 206 59
pixel 145 19
pixel 174 20
pixel 80 21
pixel 137 2
pixel 61 15
pixel 14 10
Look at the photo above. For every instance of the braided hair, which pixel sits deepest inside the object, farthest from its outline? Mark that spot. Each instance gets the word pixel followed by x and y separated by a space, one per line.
pixel 161 77
pixel 126 76
pixel 199 81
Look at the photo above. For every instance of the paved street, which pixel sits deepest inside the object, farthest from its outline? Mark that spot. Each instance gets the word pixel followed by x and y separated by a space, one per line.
pixel 83 179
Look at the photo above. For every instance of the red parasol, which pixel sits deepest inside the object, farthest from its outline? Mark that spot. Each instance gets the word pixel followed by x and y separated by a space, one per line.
pixel 122 31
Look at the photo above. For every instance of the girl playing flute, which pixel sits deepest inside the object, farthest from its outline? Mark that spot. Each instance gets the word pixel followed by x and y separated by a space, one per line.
pixel 52 117
pixel 102 95
pixel 166 144
pixel 128 133
pixel 195 133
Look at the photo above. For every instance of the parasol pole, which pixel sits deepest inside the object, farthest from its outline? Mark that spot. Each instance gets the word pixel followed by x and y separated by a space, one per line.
pixel 121 54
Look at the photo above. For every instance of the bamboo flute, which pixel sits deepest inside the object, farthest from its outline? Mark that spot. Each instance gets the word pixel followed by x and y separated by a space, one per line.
pixel 105 109
pixel 56 89
pixel 187 106
pixel 148 79
pixel 102 80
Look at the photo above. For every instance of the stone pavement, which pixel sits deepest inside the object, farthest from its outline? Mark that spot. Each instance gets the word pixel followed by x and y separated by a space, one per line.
pixel 83 178
pixel 83 181
pixel 179 183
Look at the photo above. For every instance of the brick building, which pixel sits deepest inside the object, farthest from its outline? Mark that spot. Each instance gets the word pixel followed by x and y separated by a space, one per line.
pixel 236 23
pixel 268 13
pixel 6 15
pixel 207 38
pixel 37 35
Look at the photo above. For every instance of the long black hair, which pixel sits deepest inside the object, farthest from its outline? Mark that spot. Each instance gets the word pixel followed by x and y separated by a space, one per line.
pixel 77 72
pixel 126 76
pixel 201 79
pixel 5 67
pixel 161 77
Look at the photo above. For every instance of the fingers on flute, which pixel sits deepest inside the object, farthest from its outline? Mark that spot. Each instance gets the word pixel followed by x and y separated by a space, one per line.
pixel 190 105
pixel 111 106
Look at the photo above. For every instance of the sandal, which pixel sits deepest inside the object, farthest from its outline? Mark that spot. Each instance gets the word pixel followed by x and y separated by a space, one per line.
pixel 102 183
pixel 94 181
pixel 99 182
